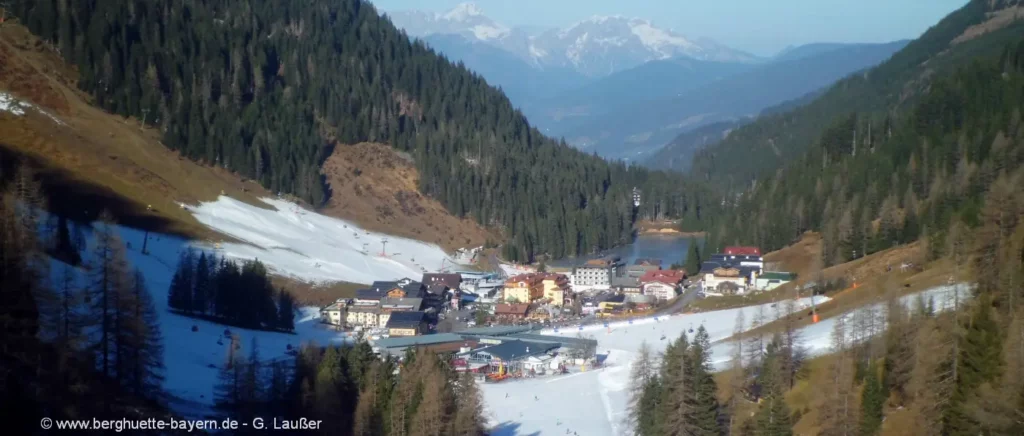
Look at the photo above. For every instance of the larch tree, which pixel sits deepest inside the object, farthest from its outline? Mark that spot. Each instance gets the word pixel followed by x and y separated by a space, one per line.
pixel 469 408
pixel 642 370
pixel 837 414
pixel 144 347
pixel 737 373
pixel 108 274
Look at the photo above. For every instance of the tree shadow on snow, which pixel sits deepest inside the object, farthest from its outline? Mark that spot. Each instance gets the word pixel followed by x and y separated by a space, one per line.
pixel 509 429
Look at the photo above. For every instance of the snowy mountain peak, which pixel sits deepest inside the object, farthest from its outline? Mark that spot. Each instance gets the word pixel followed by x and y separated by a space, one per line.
pixel 463 12
pixel 596 46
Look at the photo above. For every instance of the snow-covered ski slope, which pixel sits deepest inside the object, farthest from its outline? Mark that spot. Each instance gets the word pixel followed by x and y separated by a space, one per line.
pixel 594 402
pixel 311 247
pixel 192 359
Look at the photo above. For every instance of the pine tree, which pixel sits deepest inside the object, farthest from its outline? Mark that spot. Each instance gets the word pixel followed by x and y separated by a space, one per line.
pixel 252 383
pixel 980 362
pixel 773 418
pixel 285 311
pixel 201 285
pixel 705 419
pixel 872 402
pixel 677 404
pixel 693 257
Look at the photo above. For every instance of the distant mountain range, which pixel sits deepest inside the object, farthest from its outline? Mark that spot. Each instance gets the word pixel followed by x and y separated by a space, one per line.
pixel 595 47
pixel 632 128
pixel 622 87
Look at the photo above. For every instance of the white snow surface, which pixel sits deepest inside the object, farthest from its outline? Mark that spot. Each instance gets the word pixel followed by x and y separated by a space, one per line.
pixel 594 402
pixel 192 359
pixel 311 247
pixel 484 32
pixel 657 39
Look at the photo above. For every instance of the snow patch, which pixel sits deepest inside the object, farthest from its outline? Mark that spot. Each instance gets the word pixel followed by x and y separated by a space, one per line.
pixel 462 12
pixel 658 40
pixel 485 32
pixel 16 107
pixel 311 247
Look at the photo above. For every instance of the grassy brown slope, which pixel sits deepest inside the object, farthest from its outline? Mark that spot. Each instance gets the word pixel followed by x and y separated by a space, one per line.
pixel 377 188
pixel 124 166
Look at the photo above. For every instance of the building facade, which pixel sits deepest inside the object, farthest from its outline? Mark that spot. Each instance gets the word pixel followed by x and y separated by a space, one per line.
pixel 524 288
pixel 555 288
pixel 592 276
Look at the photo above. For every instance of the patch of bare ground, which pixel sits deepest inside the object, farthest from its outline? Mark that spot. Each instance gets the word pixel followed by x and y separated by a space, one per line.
pixel 93 160
pixel 375 187
pixel 320 294
pixel 996 20
pixel 797 258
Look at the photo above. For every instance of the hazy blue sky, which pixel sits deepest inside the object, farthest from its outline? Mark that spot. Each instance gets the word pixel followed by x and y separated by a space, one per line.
pixel 759 26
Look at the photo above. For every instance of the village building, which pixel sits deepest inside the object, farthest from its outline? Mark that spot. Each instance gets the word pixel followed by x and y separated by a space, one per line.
pixel 726 281
pixel 596 273
pixel 450 280
pixel 556 286
pixel 627 285
pixel 662 284
pixel 336 313
pixel 405 288
pixel 772 279
pixel 511 312
pixel 640 267
pixel 510 356
pixel 389 306
pixel 361 313
pixel 407 323
pixel 524 288
pixel 744 250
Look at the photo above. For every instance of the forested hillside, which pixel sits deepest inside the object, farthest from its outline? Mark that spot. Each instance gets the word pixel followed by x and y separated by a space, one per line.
pixel 773 141
pixel 870 182
pixel 268 89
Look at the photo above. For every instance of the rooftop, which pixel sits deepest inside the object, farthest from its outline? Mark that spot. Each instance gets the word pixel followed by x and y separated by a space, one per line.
pixel 665 276
pixel 518 349
pixel 647 262
pixel 370 294
pixel 777 275
pixel 511 309
pixel 450 280
pixel 399 303
pixel 501 330
pixel 409 341
pixel 400 320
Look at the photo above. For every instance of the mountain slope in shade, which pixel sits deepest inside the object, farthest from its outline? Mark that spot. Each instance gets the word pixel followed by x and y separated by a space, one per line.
pixel 645 126
pixel 655 80
pixel 520 81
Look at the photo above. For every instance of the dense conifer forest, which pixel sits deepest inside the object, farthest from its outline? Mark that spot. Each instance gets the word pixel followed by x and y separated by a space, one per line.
pixel 218 289
pixel 268 89
pixel 755 151
pixel 871 182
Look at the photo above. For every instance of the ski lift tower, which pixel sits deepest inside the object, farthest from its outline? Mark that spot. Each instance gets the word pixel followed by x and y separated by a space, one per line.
pixel 636 197
pixel 384 247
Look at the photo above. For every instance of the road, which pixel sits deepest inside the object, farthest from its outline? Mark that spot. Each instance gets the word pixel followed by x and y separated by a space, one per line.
pixel 677 306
